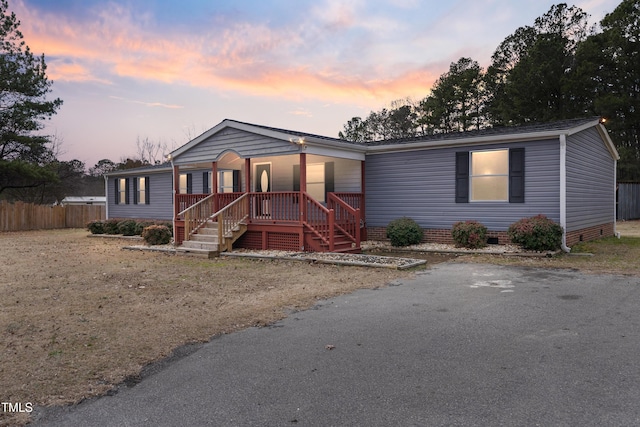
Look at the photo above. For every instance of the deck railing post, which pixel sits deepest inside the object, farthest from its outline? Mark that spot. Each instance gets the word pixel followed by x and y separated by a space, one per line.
pixel 332 220
pixel 358 228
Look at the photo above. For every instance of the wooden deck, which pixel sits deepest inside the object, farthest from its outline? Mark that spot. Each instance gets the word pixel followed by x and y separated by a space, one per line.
pixel 290 220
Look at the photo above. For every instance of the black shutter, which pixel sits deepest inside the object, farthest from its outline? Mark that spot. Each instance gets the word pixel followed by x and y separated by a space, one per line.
pixel 296 177
pixel 135 190
pixel 462 177
pixel 126 191
pixel 147 190
pixel 328 179
pixel 117 188
pixel 205 183
pixel 516 175
pixel 236 181
pixel 189 183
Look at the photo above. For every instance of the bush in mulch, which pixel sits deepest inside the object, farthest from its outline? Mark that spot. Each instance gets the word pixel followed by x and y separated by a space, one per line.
pixel 469 234
pixel 111 226
pixel 156 235
pixel 96 227
pixel 537 233
pixel 127 227
pixel 404 232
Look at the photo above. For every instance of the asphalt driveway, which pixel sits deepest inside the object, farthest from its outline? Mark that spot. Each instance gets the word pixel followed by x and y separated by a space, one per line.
pixel 460 345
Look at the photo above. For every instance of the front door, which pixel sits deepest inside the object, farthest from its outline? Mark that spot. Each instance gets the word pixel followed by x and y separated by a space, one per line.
pixel 262 184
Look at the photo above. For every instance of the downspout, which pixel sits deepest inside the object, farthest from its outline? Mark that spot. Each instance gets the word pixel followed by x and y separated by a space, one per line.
pixel 173 198
pixel 106 194
pixel 563 192
pixel 615 192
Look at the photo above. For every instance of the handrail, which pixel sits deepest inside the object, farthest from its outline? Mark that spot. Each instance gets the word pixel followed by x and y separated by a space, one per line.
pixel 319 219
pixel 196 215
pixel 347 217
pixel 210 196
pixel 229 217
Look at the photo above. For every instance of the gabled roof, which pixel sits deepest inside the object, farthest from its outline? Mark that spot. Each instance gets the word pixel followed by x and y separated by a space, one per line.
pixel 502 134
pixel 142 169
pixel 276 133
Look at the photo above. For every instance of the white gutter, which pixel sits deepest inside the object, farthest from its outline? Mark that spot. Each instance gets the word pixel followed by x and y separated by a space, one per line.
pixel 563 191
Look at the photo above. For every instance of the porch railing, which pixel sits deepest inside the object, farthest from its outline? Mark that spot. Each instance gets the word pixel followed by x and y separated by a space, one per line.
pixel 185 201
pixel 201 209
pixel 343 212
pixel 347 218
pixel 272 207
pixel 319 220
pixel 229 217
pixel 196 216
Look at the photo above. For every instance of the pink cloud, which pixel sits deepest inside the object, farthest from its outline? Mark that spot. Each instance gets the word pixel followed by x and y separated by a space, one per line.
pixel 252 59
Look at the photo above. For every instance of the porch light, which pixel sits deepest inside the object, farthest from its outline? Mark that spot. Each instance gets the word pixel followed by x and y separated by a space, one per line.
pixel 169 157
pixel 603 120
pixel 297 141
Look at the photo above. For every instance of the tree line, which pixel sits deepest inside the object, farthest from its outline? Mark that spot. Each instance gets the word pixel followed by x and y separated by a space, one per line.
pixel 558 68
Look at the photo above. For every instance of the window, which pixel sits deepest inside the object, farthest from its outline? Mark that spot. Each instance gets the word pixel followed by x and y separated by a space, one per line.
pixel 122 191
pixel 141 190
pixel 489 178
pixel 315 181
pixel 185 183
pixel 225 181
pixel 490 175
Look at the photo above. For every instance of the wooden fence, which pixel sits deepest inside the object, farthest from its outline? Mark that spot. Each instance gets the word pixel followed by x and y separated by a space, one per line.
pixel 21 216
pixel 628 203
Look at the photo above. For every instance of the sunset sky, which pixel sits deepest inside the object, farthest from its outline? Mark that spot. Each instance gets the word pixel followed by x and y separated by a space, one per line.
pixel 170 70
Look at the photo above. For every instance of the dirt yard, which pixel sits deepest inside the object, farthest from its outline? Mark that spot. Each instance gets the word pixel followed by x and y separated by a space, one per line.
pixel 79 315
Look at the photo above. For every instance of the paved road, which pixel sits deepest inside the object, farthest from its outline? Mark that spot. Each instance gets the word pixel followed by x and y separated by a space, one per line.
pixel 459 345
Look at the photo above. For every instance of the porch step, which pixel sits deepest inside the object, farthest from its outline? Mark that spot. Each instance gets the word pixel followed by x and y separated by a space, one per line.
pixel 205 240
pixel 341 244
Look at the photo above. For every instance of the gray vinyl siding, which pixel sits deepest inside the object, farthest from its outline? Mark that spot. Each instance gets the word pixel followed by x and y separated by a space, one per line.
pixel 160 197
pixel 244 143
pixel 590 181
pixel 421 185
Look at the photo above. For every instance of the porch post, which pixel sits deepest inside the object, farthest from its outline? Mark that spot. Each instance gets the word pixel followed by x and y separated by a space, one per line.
pixel 303 172
pixel 363 215
pixel 303 187
pixel 247 175
pixel 214 185
pixel 176 191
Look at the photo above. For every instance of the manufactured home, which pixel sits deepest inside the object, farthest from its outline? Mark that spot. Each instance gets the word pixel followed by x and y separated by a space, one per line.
pixel 260 187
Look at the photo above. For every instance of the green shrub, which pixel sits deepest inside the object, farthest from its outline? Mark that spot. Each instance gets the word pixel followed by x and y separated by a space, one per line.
pixel 537 233
pixel 96 227
pixel 111 226
pixel 469 234
pixel 167 224
pixel 141 225
pixel 156 235
pixel 404 232
pixel 127 227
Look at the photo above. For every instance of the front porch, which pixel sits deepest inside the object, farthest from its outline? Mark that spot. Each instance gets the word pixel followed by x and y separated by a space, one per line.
pixel 266 188
pixel 291 221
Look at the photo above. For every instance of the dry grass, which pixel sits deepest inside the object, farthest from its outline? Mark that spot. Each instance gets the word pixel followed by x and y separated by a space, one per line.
pixel 608 256
pixel 79 315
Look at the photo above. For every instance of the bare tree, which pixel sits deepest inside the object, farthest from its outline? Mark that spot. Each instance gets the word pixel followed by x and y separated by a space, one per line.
pixel 150 152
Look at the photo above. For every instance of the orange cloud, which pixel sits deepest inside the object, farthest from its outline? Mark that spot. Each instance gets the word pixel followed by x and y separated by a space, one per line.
pixel 248 58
